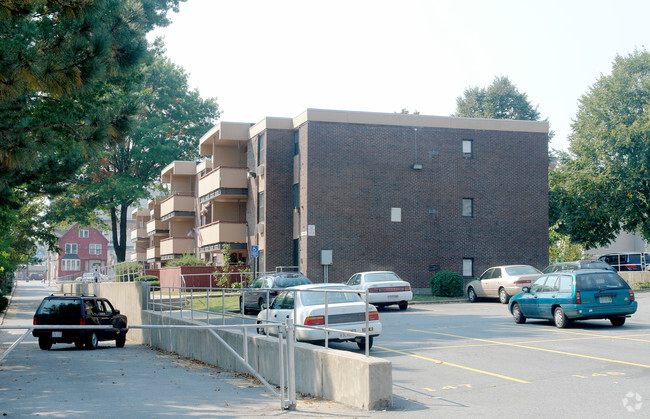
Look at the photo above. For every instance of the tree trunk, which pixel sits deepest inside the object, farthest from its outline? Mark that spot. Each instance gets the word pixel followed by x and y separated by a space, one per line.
pixel 119 242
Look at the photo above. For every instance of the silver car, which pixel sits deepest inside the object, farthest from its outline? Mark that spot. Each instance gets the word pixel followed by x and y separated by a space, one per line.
pixel 501 282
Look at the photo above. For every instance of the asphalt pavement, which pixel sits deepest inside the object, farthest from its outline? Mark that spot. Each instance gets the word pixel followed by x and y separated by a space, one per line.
pixel 134 381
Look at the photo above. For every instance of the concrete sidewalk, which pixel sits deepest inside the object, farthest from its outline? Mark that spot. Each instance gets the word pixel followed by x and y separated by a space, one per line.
pixel 134 381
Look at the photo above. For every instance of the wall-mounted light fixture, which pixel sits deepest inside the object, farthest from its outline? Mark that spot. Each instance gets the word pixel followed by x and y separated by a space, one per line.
pixel 251 175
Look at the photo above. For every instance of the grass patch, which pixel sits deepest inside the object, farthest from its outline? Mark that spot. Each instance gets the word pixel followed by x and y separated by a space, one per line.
pixel 429 297
pixel 641 285
pixel 215 301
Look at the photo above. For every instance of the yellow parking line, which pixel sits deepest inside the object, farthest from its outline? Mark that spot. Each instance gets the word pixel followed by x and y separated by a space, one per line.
pixel 453 365
pixel 569 332
pixel 536 349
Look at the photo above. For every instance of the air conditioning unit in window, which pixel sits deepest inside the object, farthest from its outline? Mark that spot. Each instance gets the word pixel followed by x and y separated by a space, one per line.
pixel 260 228
pixel 261 170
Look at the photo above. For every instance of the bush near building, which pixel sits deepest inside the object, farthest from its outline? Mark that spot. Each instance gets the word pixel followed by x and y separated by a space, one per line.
pixel 447 284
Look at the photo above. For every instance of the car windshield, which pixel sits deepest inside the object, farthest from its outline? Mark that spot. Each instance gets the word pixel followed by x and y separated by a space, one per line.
pixel 381 277
pixel 61 307
pixel 600 280
pixel 521 270
pixel 317 297
pixel 290 281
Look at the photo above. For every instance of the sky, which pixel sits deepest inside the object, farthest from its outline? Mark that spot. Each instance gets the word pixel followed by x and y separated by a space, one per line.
pixel 278 58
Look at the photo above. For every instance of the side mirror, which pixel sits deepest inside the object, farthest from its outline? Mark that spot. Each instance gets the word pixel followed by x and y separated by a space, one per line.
pixel 116 312
pixel 526 289
pixel 265 306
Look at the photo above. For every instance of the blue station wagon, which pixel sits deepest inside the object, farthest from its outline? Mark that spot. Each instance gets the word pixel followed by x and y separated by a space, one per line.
pixel 580 295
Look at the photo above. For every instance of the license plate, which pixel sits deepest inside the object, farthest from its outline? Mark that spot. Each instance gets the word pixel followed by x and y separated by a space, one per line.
pixel 392 297
pixel 345 335
pixel 605 299
pixel 57 334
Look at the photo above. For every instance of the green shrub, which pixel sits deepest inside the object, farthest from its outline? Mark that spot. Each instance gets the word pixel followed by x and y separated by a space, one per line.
pixel 187 259
pixel 447 284
pixel 147 278
pixel 3 303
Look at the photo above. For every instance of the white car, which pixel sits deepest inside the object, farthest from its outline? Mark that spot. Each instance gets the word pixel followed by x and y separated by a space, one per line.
pixel 385 288
pixel 346 311
pixel 501 282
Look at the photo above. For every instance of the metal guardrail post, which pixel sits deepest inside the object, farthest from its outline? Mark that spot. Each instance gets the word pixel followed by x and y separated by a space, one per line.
pixel 291 366
pixel 281 331
pixel 192 303
pixel 367 325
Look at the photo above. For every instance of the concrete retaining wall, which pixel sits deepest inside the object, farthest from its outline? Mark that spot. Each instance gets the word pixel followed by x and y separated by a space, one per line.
pixel 345 377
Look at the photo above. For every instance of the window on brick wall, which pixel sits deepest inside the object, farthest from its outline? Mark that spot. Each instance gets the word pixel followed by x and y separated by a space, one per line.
pixel 71 248
pixel 261 146
pixel 468 207
pixel 260 207
pixel 468 267
pixel 95 249
pixel 70 265
pixel 296 142
pixel 468 149
pixel 396 215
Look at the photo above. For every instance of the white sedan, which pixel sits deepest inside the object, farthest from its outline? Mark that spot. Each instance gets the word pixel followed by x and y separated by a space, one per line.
pixel 501 282
pixel 346 312
pixel 385 288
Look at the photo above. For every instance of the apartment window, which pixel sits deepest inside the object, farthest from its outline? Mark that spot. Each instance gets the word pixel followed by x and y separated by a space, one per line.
pixel 261 146
pixel 396 215
pixel 296 142
pixel 468 267
pixel 70 265
pixel 71 248
pixel 95 249
pixel 83 234
pixel 468 149
pixel 468 207
pixel 260 207
pixel 296 195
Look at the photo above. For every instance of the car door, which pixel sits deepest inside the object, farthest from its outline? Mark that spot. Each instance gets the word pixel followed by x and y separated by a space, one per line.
pixel 104 317
pixel 547 296
pixel 251 294
pixel 482 283
pixel 282 309
pixel 528 301
pixel 491 285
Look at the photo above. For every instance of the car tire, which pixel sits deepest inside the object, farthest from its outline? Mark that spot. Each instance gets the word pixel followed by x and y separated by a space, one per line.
pixel 79 344
pixel 361 343
pixel 517 315
pixel 471 295
pixel 403 305
pixel 120 340
pixel 560 318
pixel 260 302
pixel 45 343
pixel 242 307
pixel 503 296
pixel 260 330
pixel 617 321
pixel 92 341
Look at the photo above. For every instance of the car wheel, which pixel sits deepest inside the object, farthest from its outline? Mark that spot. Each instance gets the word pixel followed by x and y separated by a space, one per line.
pixel 617 321
pixel 259 304
pixel 560 318
pixel 503 296
pixel 361 343
pixel 471 295
pixel 403 305
pixel 242 307
pixel 79 344
pixel 120 340
pixel 518 315
pixel 260 330
pixel 45 343
pixel 92 341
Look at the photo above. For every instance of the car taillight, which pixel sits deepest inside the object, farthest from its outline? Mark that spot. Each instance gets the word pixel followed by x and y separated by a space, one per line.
pixel 315 321
pixel 578 300
pixel 35 322
pixel 522 281
pixel 373 315
pixel 390 289
pixel 631 295
pixel 82 322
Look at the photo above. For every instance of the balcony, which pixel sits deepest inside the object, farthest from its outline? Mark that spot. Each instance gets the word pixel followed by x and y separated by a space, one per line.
pixel 224 182
pixel 157 227
pixel 214 235
pixel 176 246
pixel 139 234
pixel 177 206
pixel 153 254
pixel 138 256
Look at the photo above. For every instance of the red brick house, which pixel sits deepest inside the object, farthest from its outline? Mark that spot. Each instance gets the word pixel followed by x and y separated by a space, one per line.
pixel 83 248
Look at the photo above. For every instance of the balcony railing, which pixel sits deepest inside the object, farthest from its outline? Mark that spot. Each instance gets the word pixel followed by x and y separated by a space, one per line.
pixel 230 181
pixel 139 234
pixel 172 246
pixel 177 206
pixel 155 227
pixel 220 232
pixel 153 253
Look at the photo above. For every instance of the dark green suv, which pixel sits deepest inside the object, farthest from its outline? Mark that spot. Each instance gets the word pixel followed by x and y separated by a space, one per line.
pixel 79 310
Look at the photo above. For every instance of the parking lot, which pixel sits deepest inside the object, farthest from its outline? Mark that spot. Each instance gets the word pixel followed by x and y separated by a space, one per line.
pixel 466 360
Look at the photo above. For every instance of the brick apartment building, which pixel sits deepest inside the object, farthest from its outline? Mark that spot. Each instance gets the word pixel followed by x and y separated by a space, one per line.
pixel 409 193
